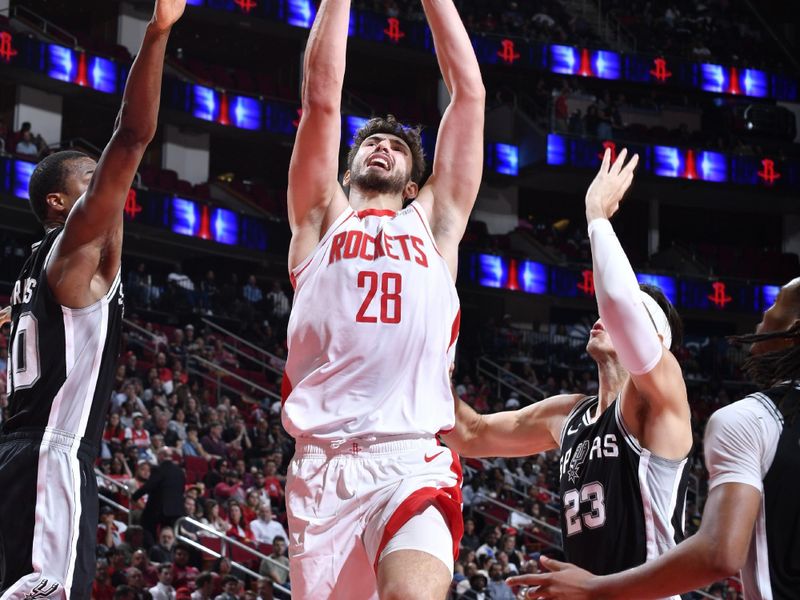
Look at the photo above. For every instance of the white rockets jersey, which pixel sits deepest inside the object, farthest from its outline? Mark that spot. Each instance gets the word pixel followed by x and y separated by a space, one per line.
pixel 372 331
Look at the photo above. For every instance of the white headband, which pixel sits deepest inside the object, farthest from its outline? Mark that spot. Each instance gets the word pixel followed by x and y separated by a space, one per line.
pixel 658 317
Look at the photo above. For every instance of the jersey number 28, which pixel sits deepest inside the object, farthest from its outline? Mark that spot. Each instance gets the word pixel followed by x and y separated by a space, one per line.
pixel 391 284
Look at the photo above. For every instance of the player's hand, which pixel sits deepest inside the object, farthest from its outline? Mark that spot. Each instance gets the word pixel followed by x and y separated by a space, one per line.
pixel 563 582
pixel 609 186
pixel 167 13
pixel 5 315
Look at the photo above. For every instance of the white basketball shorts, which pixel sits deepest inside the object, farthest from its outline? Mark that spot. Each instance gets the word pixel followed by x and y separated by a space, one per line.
pixel 347 501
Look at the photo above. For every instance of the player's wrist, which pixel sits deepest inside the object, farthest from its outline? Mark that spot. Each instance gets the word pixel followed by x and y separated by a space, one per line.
pixel 603 587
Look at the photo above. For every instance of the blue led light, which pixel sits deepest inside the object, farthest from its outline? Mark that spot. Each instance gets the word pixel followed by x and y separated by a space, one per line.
pixel 246 112
pixel 185 217
pixel 505 159
pixel 754 83
pixel 666 284
pixel 301 13
pixel 667 161
pixel 556 149
pixel 224 226
pixel 564 59
pixel 607 65
pixel 492 271
pixel 713 78
pixel 195 2
pixel 61 63
pixel 532 277
pixel 712 166
pixel 206 104
pixel 352 125
pixel 768 295
pixel 22 175
pixel 102 75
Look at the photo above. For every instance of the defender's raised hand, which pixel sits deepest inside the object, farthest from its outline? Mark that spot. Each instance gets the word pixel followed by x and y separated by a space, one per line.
pixel 5 315
pixel 167 13
pixel 609 186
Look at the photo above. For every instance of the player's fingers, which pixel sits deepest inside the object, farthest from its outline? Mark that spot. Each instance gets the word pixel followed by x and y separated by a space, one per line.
pixel 538 594
pixel 519 580
pixel 606 161
pixel 617 166
pixel 552 564
pixel 631 166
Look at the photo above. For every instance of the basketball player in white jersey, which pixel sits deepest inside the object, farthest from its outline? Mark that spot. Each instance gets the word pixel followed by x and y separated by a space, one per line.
pixel 66 322
pixel 374 503
pixel 623 465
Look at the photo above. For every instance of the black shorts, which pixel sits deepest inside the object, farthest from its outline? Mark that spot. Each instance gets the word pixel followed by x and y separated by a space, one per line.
pixel 48 516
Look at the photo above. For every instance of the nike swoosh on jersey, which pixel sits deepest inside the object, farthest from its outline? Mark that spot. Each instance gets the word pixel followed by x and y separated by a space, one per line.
pixel 430 458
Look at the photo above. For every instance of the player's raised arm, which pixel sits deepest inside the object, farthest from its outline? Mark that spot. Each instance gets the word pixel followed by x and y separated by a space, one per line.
pixel 450 192
pixel 634 321
pixel 87 257
pixel 314 168
pixel 530 430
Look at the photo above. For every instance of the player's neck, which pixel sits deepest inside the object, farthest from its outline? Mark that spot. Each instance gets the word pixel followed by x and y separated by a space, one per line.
pixel 361 200
pixel 610 377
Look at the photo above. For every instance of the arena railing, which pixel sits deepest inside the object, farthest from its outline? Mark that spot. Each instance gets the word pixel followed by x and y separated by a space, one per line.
pixel 479 507
pixel 219 372
pixel 200 530
pixel 37 21
pixel 146 339
pixel 122 488
pixel 266 360
pixel 505 379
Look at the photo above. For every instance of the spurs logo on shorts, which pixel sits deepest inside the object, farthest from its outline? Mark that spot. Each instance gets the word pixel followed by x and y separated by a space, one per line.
pixel 44 590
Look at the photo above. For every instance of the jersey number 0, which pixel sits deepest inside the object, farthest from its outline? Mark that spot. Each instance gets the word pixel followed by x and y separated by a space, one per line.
pixel 391 284
pixel 23 361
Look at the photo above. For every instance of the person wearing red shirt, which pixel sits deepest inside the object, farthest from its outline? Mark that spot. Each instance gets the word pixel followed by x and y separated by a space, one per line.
pixel 273 482
pixel 239 529
pixel 101 586
pixel 183 574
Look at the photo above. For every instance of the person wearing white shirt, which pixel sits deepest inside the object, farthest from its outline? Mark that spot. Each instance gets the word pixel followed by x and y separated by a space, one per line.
pixel 163 590
pixel 264 528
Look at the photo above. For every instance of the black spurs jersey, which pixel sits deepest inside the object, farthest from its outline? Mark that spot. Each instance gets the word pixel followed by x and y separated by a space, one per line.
pixel 622 505
pixel 61 361
pixel 777 540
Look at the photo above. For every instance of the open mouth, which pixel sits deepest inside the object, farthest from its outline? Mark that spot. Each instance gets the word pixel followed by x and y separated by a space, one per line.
pixel 380 160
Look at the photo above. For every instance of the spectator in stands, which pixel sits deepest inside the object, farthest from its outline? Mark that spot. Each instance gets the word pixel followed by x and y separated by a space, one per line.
pixel 489 548
pixel 497 589
pixel 182 572
pixel 477 587
pixel 213 517
pixel 229 489
pixel 251 292
pixel 508 545
pixel 162 552
pixel 140 560
pixel 273 482
pixel 208 293
pixel 109 530
pixel 116 567
pixel 137 286
pixel 269 568
pixel 165 494
pixel 192 446
pixel 125 592
pixel 560 108
pixel 161 427
pixel 470 540
pixel 279 304
pixel 101 586
pixel 264 589
pixel 205 585
pixel 163 590
pixel 230 588
pixel 138 435
pixel 135 581
pixel 239 529
pixel 183 593
pixel 265 529
pixel 213 442
pixel 26 144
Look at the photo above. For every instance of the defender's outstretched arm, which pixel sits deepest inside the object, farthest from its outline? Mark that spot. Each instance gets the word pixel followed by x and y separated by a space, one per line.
pixel 87 257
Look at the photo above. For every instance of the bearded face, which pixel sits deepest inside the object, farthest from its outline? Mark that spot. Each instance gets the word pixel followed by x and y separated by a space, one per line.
pixel 382 165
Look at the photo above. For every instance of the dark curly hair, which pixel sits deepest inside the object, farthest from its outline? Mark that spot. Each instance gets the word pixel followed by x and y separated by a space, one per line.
pixel 410 135
pixel 49 177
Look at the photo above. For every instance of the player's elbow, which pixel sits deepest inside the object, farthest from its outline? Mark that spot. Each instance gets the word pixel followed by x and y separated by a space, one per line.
pixel 471 91
pixel 134 137
pixel 726 560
